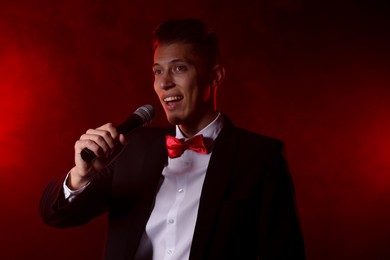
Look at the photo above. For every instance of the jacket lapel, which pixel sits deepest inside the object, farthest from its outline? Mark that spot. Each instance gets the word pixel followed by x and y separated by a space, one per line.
pixel 214 188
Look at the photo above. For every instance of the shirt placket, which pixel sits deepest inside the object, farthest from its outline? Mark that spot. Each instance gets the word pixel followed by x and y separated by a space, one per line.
pixel 172 221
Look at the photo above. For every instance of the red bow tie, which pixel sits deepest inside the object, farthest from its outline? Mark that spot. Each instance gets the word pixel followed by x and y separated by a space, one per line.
pixel 176 147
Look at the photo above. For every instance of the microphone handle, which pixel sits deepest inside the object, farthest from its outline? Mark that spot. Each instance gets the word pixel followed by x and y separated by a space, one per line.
pixel 87 155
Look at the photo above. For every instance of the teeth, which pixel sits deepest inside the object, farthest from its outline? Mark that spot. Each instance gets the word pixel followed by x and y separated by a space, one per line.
pixel 173 98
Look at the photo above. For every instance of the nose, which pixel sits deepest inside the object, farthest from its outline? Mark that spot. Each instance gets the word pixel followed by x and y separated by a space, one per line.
pixel 165 81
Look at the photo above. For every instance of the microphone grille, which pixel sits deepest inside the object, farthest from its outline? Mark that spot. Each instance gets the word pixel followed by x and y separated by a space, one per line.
pixel 146 113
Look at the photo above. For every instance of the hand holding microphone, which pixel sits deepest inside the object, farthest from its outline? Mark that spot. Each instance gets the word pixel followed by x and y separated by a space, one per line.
pixel 102 144
pixel 141 117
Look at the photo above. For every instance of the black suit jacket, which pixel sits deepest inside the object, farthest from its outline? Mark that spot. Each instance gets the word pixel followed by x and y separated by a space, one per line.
pixel 246 211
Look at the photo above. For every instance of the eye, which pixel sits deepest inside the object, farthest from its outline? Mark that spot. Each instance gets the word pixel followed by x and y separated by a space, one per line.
pixel 157 71
pixel 180 68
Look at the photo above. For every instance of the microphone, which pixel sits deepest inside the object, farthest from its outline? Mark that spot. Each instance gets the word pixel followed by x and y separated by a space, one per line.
pixel 141 117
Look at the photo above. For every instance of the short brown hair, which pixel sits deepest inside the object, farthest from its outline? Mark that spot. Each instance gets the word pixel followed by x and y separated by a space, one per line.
pixel 190 31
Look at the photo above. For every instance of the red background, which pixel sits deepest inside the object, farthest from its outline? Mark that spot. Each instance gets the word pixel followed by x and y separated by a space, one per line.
pixel 312 74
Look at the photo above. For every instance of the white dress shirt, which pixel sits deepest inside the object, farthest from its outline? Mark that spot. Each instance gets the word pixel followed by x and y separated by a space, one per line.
pixel 171 225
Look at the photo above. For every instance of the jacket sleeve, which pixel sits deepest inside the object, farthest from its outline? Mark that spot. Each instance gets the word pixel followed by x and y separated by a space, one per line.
pixel 56 211
pixel 279 228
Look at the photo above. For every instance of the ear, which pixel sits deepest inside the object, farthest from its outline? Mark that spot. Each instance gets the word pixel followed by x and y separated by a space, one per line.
pixel 218 75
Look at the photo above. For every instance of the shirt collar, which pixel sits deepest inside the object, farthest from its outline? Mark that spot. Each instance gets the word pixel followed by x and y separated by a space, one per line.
pixel 210 132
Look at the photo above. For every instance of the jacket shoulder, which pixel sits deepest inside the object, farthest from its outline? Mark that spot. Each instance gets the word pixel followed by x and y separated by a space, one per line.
pixel 249 138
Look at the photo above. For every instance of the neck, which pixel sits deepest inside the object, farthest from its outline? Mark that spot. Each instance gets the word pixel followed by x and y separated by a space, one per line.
pixel 190 130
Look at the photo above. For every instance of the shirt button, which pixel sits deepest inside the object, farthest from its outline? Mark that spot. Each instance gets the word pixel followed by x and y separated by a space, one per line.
pixel 169 252
pixel 180 190
pixel 171 221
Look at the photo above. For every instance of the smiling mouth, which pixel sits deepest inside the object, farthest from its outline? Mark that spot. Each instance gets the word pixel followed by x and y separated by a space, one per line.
pixel 173 99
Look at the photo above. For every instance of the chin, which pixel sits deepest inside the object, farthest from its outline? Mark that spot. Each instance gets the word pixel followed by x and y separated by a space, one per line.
pixel 174 120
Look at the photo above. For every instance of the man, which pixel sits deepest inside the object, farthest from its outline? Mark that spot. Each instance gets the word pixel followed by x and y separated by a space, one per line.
pixel 229 199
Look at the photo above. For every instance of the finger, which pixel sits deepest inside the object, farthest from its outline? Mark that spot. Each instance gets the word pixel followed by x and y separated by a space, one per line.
pixel 111 129
pixel 105 134
pixel 80 145
pixel 90 144
pixel 122 139
pixel 119 148
pixel 106 143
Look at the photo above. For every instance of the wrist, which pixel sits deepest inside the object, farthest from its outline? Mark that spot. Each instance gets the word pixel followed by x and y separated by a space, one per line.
pixel 77 181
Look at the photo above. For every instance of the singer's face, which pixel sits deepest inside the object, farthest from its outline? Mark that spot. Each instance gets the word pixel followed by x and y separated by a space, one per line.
pixel 182 85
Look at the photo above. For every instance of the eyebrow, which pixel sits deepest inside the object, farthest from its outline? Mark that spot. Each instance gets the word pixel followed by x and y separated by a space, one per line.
pixel 174 61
